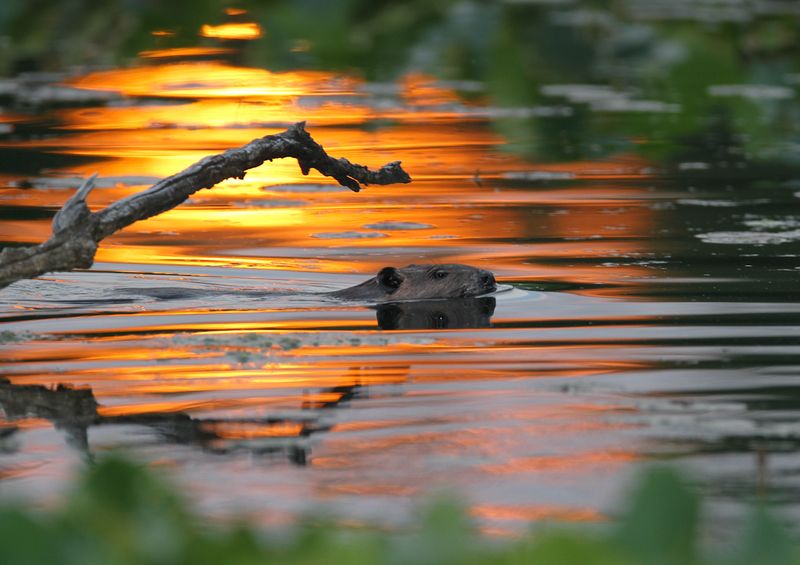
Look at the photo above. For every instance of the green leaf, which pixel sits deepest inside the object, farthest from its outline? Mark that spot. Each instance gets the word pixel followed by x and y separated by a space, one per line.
pixel 661 525
pixel 24 540
pixel 765 542
pixel 570 547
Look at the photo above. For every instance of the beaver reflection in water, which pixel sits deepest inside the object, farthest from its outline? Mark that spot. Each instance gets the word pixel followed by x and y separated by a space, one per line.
pixel 419 282
pixel 454 313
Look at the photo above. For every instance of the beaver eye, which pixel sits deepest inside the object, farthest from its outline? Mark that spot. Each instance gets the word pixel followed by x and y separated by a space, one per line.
pixel 440 274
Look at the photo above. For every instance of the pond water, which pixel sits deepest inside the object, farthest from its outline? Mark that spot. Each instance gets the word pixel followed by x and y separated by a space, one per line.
pixel 648 307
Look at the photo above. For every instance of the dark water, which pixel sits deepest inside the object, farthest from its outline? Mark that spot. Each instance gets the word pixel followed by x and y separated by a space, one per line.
pixel 649 305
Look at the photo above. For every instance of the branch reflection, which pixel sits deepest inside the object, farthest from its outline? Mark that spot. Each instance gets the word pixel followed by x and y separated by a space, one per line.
pixel 75 411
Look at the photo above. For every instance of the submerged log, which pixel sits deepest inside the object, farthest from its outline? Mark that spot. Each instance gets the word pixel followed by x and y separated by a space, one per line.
pixel 77 231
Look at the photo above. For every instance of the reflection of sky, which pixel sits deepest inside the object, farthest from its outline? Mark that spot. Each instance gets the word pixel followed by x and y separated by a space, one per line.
pixel 462 182
pixel 470 203
pixel 499 413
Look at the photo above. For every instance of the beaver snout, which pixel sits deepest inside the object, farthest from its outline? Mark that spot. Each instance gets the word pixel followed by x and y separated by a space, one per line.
pixel 488 282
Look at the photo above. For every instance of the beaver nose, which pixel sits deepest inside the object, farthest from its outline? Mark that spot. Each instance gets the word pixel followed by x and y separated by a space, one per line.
pixel 488 281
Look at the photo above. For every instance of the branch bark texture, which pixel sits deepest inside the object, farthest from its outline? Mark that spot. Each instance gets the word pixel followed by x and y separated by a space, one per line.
pixel 77 231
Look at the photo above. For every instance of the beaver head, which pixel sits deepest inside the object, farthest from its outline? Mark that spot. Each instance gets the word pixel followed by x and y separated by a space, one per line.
pixel 419 282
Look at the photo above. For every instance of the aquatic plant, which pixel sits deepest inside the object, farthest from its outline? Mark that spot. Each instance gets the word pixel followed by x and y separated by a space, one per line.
pixel 122 513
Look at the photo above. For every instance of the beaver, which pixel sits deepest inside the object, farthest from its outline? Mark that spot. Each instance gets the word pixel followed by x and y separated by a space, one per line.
pixel 420 282
pixel 412 282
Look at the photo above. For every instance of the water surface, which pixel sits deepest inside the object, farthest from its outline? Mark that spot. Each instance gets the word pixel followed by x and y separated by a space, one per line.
pixel 649 307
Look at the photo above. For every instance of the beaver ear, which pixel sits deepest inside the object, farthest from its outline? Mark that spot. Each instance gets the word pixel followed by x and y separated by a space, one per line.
pixel 390 279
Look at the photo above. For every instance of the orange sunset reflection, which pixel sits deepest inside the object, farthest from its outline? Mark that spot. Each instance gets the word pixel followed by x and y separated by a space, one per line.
pixel 209 79
pixel 185 52
pixel 468 201
pixel 236 430
pixel 450 163
pixel 252 361
pixel 241 31
pixel 534 513
pixel 584 461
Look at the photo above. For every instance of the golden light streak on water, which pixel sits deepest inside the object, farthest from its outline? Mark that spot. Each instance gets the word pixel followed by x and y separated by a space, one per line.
pixel 179 52
pixel 240 31
pixel 208 79
pixel 216 113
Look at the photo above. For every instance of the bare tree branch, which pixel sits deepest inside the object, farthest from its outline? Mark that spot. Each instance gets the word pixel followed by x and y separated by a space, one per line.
pixel 77 231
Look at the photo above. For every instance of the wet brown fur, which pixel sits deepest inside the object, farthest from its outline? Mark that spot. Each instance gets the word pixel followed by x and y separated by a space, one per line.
pixel 420 282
